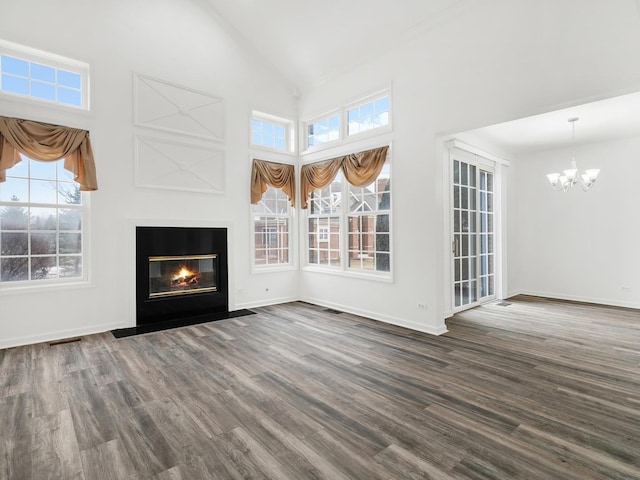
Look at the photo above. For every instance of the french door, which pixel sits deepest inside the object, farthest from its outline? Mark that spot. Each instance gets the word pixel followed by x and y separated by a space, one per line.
pixel 473 239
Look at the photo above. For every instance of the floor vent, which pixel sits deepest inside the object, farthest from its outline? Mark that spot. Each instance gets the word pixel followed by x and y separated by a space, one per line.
pixel 66 340
pixel 331 310
pixel 503 304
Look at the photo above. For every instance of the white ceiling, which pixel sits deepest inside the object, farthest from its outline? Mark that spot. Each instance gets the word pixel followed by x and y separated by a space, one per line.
pixel 308 41
pixel 598 121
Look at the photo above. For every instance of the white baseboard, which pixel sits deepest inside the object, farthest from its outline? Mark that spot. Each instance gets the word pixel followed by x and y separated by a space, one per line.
pixel 264 303
pixel 578 298
pixel 400 322
pixel 57 335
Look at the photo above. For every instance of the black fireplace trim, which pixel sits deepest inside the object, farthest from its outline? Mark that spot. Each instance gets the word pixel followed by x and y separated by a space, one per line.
pixel 181 322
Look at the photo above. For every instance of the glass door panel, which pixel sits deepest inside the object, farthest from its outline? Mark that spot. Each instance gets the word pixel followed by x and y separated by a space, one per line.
pixel 473 235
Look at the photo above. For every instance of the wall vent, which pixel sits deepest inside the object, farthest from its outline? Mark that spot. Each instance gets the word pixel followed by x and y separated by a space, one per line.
pixel 65 340
pixel 331 310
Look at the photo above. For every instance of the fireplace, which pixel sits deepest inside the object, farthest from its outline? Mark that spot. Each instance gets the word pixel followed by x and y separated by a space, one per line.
pixel 181 273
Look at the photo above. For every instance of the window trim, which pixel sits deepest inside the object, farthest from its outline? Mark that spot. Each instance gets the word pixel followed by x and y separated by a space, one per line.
pixel 51 60
pixel 289 132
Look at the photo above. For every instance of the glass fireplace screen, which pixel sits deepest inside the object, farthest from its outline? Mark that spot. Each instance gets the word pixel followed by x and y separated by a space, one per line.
pixel 182 275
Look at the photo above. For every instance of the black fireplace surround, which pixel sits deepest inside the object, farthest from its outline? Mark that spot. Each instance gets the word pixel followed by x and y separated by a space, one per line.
pixel 174 243
pixel 181 278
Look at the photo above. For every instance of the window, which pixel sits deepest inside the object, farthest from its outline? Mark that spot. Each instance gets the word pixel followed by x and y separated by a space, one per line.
pixel 369 115
pixel 272 220
pixel 43 76
pixel 357 228
pixel 368 219
pixel 325 209
pixel 41 223
pixel 271 132
pixel 323 131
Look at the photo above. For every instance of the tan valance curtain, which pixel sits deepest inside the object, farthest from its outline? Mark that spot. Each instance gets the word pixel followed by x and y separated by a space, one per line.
pixel 278 175
pixel 45 142
pixel 360 169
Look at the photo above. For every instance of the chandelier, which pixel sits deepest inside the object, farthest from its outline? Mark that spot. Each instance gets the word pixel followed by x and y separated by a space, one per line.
pixel 568 178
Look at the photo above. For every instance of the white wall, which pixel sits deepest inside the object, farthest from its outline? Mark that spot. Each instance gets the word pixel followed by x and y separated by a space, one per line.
pixel 498 61
pixel 580 245
pixel 170 40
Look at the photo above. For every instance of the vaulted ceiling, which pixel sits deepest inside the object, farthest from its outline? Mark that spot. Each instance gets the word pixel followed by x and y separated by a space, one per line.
pixel 308 41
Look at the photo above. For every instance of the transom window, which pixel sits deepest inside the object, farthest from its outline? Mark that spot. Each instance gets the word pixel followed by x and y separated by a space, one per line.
pixel 369 115
pixel 323 131
pixel 272 220
pixel 41 223
pixel 271 132
pixel 43 76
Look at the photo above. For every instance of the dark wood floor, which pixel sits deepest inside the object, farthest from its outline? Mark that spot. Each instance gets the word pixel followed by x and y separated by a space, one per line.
pixel 535 390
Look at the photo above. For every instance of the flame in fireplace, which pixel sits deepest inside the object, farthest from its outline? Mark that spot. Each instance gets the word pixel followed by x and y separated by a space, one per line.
pixel 183 273
pixel 185 278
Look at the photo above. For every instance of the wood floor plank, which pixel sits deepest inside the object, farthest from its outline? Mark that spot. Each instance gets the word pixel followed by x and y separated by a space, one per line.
pixel 107 461
pixel 48 390
pixel 16 437
pixel 144 442
pixel 54 449
pixel 92 419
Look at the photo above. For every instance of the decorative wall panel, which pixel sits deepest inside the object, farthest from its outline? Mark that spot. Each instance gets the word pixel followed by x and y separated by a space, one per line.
pixel 179 165
pixel 165 106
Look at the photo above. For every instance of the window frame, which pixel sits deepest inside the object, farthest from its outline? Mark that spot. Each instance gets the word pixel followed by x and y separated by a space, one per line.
pixel 85 232
pixel 52 60
pixel 343 215
pixel 289 132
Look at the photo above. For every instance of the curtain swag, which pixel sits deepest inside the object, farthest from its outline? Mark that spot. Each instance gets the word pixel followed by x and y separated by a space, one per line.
pixel 360 169
pixel 45 142
pixel 278 175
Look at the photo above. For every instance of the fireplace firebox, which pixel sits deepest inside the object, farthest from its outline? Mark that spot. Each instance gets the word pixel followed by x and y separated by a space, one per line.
pixel 180 273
